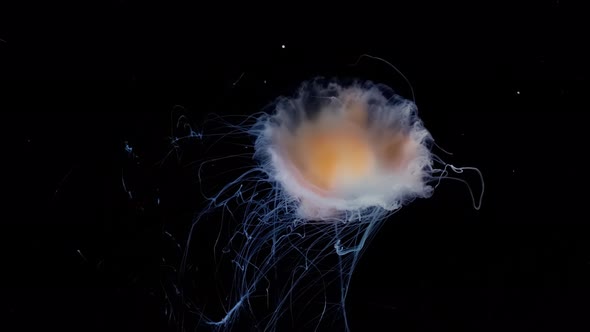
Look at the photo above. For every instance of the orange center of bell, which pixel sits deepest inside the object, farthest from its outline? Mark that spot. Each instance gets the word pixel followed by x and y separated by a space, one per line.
pixel 335 156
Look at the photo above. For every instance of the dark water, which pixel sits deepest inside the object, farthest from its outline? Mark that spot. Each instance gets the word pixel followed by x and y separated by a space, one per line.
pixel 96 197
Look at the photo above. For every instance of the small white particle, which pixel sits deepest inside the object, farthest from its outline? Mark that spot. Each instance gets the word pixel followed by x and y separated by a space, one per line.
pixel 517 92
pixel 80 253
pixel 283 46
pixel 239 78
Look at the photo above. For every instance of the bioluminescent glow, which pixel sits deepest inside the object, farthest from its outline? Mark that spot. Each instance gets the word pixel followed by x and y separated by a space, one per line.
pixel 332 163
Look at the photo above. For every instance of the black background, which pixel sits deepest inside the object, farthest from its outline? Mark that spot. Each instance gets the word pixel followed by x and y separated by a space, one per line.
pixel 502 86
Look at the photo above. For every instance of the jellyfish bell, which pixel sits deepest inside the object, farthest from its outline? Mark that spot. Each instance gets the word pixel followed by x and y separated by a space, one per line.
pixel 339 148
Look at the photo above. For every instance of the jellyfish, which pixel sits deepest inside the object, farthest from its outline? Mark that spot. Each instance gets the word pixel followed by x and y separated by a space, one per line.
pixel 331 163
